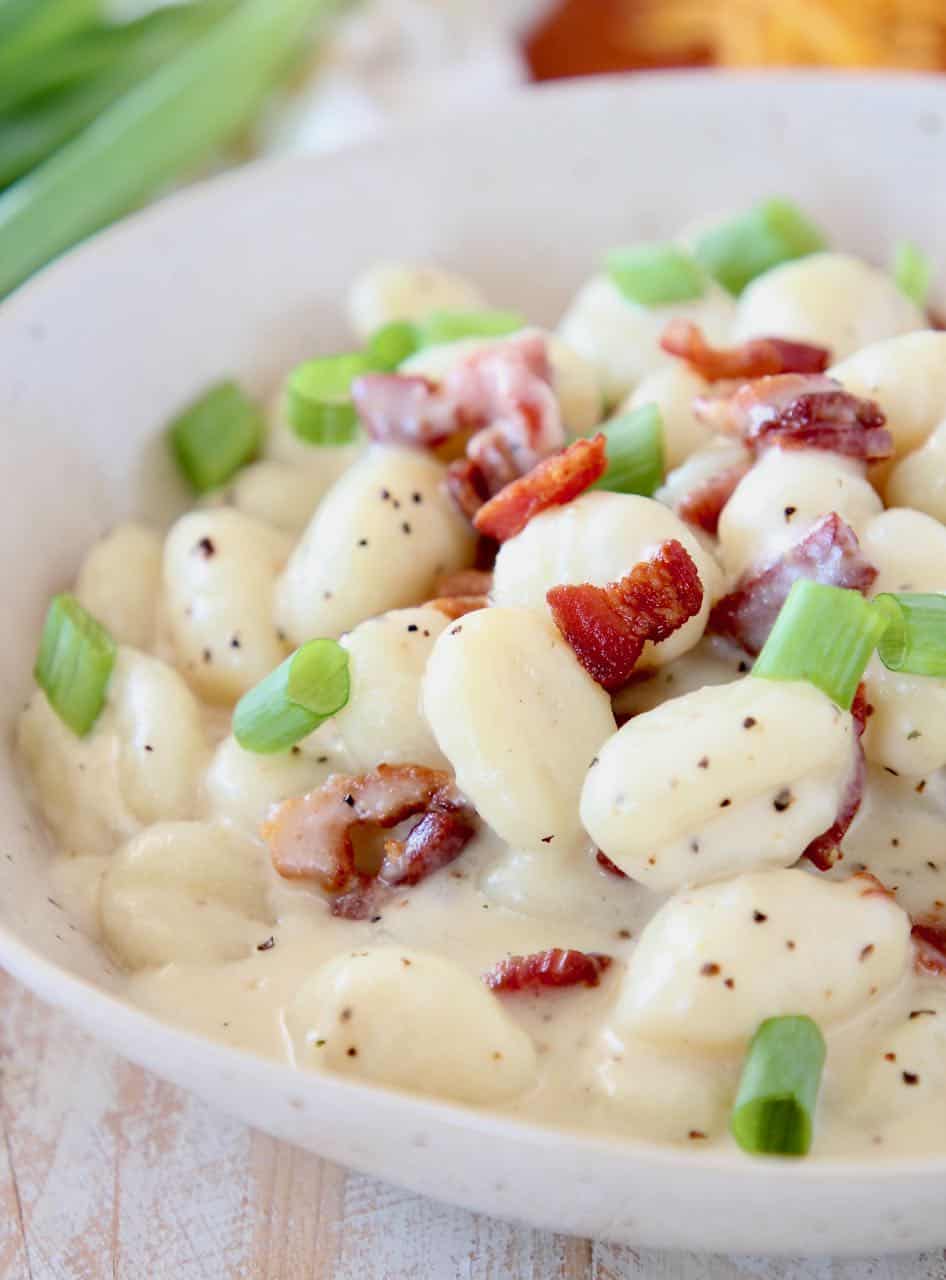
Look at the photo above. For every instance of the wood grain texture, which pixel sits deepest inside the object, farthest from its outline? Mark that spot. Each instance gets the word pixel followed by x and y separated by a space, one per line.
pixel 107 1173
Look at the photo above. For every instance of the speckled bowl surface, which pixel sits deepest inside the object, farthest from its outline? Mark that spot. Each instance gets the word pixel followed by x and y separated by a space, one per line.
pixel 246 274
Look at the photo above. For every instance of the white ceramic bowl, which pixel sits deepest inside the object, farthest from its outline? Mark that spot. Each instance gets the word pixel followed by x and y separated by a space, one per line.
pixel 246 275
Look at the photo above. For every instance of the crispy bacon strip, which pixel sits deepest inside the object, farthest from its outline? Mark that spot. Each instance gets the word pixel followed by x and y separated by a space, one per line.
pixel 554 968
pixel 607 627
pixel 703 504
pixel 800 411
pixel 825 849
pixel 829 553
pixel 310 836
pixel 929 937
pixel 502 393
pixel 756 358
pixel 552 483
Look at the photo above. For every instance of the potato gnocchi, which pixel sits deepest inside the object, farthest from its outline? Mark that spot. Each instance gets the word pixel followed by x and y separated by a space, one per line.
pixel 563 731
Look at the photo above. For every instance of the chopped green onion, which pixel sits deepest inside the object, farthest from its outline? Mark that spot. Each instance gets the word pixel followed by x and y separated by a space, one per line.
pixel 170 120
pixel 305 690
pixel 912 271
pixel 74 663
pixel 914 636
pixel 778 1089
pixel 450 326
pixel 143 43
pixel 216 435
pixel 34 132
pixel 824 635
pixel 28 28
pixel 653 274
pixel 318 398
pixel 737 251
pixel 390 345
pixel 635 451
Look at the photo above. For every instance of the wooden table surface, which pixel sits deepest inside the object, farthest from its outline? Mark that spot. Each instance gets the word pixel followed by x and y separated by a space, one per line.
pixel 107 1173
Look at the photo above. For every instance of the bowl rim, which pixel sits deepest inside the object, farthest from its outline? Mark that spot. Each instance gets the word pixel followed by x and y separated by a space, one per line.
pixel 95 1007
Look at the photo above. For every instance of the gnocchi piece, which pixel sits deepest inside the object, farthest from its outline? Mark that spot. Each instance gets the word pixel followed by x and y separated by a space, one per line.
pixel 832 299
pixel 728 779
pixel 907 732
pixel 668 1097
pixel 184 893
pixel 220 568
pixel 239 786
pixel 622 338
pixel 519 719
pixel 280 494
pixel 382 722
pixel 673 388
pixel 716 961
pixel 905 1068
pixel 119 583
pixel 413 1021
pixel 907 378
pixel 783 496
pixel 138 764
pixel 379 540
pixel 575 380
pixel 598 538
pixel 407 291
pixel 919 479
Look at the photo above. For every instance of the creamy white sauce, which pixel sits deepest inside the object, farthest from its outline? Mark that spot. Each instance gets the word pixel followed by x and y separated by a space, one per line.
pixel 581 1058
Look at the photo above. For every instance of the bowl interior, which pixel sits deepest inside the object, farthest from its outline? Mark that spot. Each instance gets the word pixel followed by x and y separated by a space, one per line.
pixel 246 276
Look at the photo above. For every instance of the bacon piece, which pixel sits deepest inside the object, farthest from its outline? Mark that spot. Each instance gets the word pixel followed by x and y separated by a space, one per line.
pixel 800 411
pixel 310 836
pixel 929 937
pixel 829 553
pixel 604 861
pixel 825 849
pixel 434 842
pixel 607 627
pixel 439 838
pixel 552 483
pixel 454 607
pixel 465 582
pixel 704 503
pixel 397 408
pixel 756 358
pixel 553 968
pixel 502 393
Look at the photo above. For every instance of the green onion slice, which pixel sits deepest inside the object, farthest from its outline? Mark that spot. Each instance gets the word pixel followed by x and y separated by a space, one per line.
pixel 318 398
pixel 74 663
pixel 216 435
pixel 914 636
pixel 168 121
pixel 912 271
pixel 737 251
pixel 824 635
pixel 450 326
pixel 391 344
pixel 778 1090
pixel 305 690
pixel 635 449
pixel 653 274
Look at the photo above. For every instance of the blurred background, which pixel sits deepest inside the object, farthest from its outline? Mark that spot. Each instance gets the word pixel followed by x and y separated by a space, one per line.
pixel 105 104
